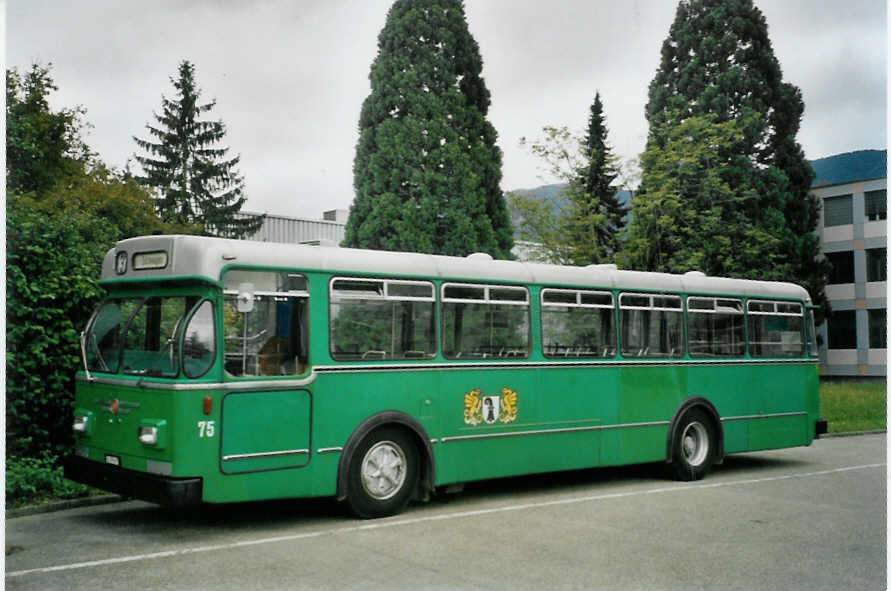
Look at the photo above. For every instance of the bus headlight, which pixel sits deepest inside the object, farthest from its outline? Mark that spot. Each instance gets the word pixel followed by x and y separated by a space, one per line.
pixel 83 422
pixel 80 424
pixel 153 433
pixel 148 435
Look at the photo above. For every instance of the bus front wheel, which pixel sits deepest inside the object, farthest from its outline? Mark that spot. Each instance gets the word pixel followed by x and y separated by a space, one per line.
pixel 694 446
pixel 383 473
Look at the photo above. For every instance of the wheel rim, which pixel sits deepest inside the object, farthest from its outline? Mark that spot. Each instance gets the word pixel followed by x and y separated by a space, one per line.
pixel 694 443
pixel 383 470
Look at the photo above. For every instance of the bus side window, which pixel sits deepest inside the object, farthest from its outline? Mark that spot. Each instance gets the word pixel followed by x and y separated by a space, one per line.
pixel 271 338
pixel 651 325
pixel 298 341
pixel 576 323
pixel 374 319
pixel 715 327
pixel 775 329
pixel 485 321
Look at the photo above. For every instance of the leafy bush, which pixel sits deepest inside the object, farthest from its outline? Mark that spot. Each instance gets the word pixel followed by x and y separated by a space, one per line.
pixel 65 209
pixel 32 480
pixel 52 285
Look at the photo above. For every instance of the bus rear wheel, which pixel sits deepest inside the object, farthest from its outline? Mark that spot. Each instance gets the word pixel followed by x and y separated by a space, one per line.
pixel 694 446
pixel 383 474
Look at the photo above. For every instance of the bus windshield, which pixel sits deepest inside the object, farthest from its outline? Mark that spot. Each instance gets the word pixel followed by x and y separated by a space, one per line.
pixel 142 336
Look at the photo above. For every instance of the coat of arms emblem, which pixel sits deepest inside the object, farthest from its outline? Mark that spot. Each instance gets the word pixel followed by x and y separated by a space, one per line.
pixel 490 409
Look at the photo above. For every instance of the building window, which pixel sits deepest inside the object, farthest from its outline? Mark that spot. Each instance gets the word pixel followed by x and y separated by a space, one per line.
pixel 877 329
pixel 838 211
pixel 842 267
pixel 876 259
pixel 876 205
pixel 843 329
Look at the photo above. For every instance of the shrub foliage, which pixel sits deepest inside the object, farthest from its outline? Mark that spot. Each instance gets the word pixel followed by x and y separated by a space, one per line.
pixel 52 274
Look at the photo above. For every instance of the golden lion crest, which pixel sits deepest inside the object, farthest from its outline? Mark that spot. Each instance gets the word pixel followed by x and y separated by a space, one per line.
pixel 490 409
pixel 473 415
pixel 508 406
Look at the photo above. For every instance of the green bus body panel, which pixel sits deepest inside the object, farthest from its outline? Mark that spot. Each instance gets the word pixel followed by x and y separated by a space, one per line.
pixel 566 418
pixel 117 435
pixel 265 431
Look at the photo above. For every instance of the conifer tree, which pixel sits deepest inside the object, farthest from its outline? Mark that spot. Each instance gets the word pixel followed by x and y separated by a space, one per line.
pixel 196 181
pixel 597 194
pixel 427 172
pixel 718 64
pixel 580 224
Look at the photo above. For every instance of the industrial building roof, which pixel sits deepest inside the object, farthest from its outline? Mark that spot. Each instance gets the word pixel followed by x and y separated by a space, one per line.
pixel 850 167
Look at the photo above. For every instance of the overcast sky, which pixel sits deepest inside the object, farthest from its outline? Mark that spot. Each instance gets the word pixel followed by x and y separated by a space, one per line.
pixel 289 76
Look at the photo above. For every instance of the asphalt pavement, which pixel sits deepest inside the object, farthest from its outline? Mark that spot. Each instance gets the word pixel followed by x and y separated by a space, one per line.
pixel 801 518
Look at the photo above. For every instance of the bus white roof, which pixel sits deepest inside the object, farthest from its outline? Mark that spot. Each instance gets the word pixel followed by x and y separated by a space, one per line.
pixel 198 256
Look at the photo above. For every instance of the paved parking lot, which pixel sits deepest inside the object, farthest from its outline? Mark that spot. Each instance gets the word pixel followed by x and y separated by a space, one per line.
pixel 803 518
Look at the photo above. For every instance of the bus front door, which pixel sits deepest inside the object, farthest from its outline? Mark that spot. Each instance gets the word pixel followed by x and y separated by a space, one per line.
pixel 267 430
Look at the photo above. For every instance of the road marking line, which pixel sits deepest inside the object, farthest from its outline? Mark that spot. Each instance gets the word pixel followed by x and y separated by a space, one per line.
pixel 397 522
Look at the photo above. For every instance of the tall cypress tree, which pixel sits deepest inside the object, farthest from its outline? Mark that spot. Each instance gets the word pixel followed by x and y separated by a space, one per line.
pixel 597 195
pixel 718 63
pixel 197 183
pixel 427 172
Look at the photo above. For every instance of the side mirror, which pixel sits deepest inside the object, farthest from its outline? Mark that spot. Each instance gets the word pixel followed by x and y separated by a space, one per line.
pixel 245 302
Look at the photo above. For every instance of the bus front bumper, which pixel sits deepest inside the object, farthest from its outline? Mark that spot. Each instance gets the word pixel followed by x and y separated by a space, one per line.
pixel 162 490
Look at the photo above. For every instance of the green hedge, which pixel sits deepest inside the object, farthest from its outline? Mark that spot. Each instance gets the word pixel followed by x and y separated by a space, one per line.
pixel 52 273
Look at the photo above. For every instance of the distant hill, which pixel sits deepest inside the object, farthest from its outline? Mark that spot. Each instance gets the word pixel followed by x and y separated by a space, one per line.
pixel 553 195
pixel 542 192
pixel 554 191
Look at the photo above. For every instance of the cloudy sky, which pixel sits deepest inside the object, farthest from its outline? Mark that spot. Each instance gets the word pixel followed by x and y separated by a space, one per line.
pixel 289 76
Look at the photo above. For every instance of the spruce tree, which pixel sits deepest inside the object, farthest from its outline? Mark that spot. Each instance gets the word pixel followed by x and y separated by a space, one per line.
pixel 718 63
pixel 427 172
pixel 579 225
pixel 197 183
pixel 597 195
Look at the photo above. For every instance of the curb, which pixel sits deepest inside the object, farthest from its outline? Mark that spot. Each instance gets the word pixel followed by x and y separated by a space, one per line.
pixel 853 433
pixel 63 505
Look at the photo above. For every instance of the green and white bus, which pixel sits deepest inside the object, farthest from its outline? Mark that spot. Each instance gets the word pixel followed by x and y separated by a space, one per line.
pixel 220 370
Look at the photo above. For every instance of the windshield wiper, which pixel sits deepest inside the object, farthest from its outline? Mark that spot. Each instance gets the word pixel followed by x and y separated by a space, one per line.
pixel 83 354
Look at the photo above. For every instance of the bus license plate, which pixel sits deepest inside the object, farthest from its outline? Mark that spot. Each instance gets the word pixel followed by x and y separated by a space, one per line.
pixel 113 460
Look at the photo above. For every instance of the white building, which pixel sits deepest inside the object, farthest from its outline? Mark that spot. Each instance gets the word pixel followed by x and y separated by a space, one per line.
pixel 854 236
pixel 289 230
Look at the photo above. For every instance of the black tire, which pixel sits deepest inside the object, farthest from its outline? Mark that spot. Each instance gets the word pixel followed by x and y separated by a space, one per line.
pixel 694 446
pixel 383 473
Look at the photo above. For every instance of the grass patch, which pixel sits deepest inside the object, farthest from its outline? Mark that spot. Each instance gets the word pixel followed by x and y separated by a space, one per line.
pixel 853 405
